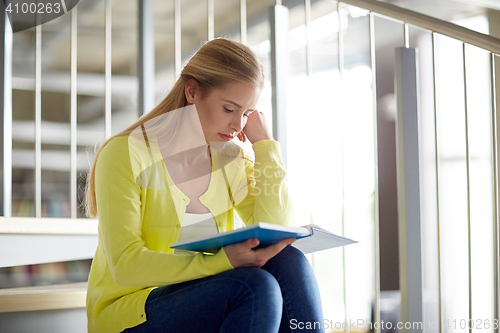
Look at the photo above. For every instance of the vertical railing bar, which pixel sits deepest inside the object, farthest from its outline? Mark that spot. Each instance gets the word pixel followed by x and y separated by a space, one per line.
pixel 243 21
pixel 210 19
pixel 307 19
pixel 279 73
pixel 107 70
pixel 496 218
pixel 341 70
pixel 177 37
pixel 376 302
pixel 406 31
pixel 146 57
pixel 409 188
pixel 6 116
pixel 467 161
pixel 73 118
pixel 38 122
pixel 436 152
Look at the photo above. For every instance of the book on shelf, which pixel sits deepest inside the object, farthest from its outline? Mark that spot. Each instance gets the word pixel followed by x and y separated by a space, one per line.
pixel 309 238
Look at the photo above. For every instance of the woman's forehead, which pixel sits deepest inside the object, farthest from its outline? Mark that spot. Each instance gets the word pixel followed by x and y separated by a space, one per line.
pixel 240 95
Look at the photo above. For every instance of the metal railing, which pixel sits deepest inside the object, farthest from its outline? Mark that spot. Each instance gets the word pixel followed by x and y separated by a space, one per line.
pixel 449 29
pixel 466 37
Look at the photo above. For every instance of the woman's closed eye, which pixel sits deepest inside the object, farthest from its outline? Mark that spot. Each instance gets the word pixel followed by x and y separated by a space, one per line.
pixel 244 115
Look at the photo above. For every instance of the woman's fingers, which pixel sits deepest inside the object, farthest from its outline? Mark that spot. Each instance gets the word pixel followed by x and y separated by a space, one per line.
pixel 272 250
pixel 256 128
pixel 248 245
pixel 244 254
pixel 242 137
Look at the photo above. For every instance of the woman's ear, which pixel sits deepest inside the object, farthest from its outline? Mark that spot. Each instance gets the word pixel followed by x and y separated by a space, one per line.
pixel 191 89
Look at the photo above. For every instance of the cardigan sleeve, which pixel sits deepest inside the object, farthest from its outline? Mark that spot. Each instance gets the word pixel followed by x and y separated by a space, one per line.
pixel 268 198
pixel 119 207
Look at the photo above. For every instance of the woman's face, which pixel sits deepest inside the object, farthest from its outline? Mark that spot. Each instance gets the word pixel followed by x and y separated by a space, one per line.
pixel 223 112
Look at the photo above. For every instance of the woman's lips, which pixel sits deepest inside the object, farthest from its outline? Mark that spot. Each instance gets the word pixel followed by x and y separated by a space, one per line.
pixel 225 137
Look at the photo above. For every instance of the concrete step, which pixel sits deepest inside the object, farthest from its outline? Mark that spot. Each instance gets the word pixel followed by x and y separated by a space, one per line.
pixel 27 241
pixel 62 296
pixel 44 309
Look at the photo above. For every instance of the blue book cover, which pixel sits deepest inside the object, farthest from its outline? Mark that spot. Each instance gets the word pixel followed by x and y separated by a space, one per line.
pixel 267 234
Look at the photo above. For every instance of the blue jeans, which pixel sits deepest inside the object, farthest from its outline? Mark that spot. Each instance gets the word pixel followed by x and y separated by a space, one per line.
pixel 247 299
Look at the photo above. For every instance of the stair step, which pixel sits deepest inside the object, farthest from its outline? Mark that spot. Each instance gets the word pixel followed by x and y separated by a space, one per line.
pixel 45 225
pixel 60 296
pixel 41 240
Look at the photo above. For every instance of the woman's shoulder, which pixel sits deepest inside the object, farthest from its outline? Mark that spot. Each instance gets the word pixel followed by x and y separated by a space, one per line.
pixel 125 146
pixel 122 148
pixel 114 147
pixel 127 155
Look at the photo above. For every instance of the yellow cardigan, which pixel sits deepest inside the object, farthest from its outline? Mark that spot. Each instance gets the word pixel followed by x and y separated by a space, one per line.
pixel 140 210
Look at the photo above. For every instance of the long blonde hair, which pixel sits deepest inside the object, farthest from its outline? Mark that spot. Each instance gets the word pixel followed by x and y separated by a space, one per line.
pixel 217 63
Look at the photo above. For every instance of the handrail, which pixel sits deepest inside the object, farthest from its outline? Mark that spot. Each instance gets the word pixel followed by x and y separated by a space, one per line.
pixel 449 29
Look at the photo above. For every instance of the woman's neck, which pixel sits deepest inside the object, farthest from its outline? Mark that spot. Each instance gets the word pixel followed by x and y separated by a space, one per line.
pixel 191 156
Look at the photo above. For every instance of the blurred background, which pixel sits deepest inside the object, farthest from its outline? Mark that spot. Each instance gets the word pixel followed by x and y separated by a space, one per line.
pixel 330 137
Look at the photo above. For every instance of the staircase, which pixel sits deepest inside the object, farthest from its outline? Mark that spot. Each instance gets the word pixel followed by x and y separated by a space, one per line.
pixel 55 308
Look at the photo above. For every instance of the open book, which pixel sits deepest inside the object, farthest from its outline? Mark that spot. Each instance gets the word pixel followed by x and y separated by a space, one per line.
pixel 310 238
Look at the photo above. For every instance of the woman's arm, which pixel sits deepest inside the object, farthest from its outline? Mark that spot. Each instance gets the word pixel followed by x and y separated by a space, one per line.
pixel 268 198
pixel 120 212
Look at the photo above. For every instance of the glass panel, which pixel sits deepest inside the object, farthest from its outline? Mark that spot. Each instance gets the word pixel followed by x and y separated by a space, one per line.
pixel 23 126
pixel 258 39
pixel 164 47
pixel 388 36
pixel 56 108
pixel 56 117
pixel 124 84
pixel 194 28
pixel 330 153
pixel 297 41
pixel 481 228
pixel 227 18
pixel 422 40
pixel 358 163
pixel 455 254
pixel 453 181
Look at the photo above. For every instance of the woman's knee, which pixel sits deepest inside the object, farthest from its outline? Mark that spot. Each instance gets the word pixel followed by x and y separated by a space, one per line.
pixel 255 303
pixel 291 252
pixel 289 259
pixel 259 283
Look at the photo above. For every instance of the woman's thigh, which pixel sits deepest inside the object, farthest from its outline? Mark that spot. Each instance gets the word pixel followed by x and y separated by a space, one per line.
pixel 240 300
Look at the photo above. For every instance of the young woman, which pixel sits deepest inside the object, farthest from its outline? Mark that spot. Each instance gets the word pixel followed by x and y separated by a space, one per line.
pixel 176 174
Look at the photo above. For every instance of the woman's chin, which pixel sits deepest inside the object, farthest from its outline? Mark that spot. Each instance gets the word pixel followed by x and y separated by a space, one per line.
pixel 218 144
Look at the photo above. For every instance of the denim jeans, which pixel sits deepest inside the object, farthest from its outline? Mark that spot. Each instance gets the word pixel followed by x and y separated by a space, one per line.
pixel 247 299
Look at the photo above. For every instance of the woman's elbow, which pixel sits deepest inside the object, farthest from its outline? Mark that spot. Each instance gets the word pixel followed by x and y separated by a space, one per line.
pixel 125 272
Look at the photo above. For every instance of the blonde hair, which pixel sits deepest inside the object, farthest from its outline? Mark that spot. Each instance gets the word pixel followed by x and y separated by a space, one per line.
pixel 217 63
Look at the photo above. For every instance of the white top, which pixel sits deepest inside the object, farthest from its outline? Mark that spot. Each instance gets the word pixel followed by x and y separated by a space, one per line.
pixel 197 225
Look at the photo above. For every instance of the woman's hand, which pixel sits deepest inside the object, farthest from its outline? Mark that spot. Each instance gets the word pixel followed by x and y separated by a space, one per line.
pixel 256 128
pixel 242 254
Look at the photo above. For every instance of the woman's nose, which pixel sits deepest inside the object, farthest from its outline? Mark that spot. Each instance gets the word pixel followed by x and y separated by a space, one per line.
pixel 237 124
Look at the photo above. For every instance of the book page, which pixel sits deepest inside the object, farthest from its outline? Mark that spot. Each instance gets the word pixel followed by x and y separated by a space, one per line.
pixel 312 226
pixel 320 240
